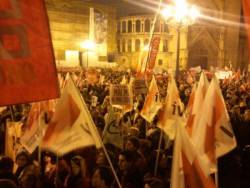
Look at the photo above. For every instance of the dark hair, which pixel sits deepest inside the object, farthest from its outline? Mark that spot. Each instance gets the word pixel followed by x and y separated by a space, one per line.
pixel 105 174
pixel 6 163
pixel 128 155
pixel 99 122
pixel 135 141
pixel 25 154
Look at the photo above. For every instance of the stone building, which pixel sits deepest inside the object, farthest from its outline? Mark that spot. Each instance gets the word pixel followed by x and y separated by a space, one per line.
pixel 70 26
pixel 214 40
pixel 209 42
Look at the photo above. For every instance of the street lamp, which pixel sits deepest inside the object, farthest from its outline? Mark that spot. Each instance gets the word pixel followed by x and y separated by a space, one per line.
pixel 87 45
pixel 180 14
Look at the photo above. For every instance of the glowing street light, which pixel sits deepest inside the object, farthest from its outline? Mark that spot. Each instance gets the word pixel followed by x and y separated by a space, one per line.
pixel 182 15
pixel 87 45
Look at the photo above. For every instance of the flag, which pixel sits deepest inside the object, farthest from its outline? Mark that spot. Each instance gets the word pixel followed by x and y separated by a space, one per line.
pixel 154 48
pixel 199 96
pixel 36 124
pixel 71 126
pixel 12 135
pixel 152 102
pixel 186 169
pixel 27 63
pixel 112 133
pixel 191 101
pixel 214 135
pixel 246 11
pixel 172 109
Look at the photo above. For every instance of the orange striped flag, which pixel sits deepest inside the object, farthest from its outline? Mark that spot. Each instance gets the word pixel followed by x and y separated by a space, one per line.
pixel 152 102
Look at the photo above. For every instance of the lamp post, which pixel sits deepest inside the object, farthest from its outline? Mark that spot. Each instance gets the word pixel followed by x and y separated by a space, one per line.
pixel 180 14
pixel 87 45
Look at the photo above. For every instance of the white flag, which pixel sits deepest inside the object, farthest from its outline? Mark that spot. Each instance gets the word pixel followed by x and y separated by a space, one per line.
pixel 152 102
pixel 71 126
pixel 172 109
pixel 214 136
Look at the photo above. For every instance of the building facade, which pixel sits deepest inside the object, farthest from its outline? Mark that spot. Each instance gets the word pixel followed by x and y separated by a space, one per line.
pixel 133 37
pixel 70 26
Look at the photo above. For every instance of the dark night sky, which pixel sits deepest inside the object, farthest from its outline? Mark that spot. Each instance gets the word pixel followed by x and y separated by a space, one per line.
pixel 127 7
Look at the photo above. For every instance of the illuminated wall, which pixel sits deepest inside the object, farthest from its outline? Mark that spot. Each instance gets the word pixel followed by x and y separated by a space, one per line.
pixel 69 24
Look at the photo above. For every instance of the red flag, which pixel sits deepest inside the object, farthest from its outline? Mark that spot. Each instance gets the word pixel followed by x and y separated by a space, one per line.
pixel 246 10
pixel 27 65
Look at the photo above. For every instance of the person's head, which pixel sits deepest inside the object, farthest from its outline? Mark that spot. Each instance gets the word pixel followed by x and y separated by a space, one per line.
pixel 48 157
pixel 102 177
pixel 78 165
pixel 22 158
pixel 6 164
pixel 132 144
pixel 125 160
pixel 101 158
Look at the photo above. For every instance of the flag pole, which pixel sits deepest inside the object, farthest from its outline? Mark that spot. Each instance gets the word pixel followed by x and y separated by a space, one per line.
pixel 216 176
pixel 152 31
pixel 102 144
pixel 40 136
pixel 158 153
pixel 111 166
pixel 12 113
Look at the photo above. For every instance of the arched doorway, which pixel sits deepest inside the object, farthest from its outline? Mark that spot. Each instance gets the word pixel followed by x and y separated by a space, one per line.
pixel 198 56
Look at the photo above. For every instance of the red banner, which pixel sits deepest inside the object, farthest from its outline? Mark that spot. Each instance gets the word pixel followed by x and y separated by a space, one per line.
pixel 154 48
pixel 246 10
pixel 27 64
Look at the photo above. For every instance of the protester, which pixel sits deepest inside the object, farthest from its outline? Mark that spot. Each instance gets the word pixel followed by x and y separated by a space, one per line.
pixel 77 177
pixel 27 171
pixel 6 169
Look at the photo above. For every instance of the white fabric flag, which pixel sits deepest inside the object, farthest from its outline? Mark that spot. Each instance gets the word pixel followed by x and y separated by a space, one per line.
pixel 36 125
pixel 186 166
pixel 152 102
pixel 214 136
pixel 71 126
pixel 199 97
pixel 172 110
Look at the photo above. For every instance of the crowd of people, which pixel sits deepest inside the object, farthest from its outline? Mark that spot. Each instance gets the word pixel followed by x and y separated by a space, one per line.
pixel 139 157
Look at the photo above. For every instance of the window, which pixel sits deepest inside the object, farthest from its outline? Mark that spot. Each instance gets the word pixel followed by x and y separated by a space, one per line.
pixel 147 26
pixel 165 46
pixel 118 27
pixel 138 26
pixel 146 42
pixel 166 28
pixel 137 45
pixel 123 45
pixel 123 26
pixel 129 26
pixel 129 45
pixel 118 46
pixel 160 62
pixel 157 26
